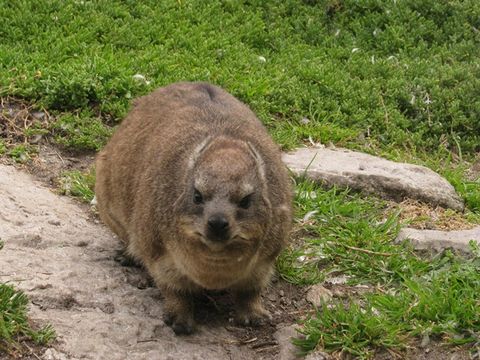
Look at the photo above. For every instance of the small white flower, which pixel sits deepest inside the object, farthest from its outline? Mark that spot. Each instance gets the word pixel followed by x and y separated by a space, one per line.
pixel 140 79
pixel 262 59
pixel 301 258
pixel 309 215
pixel 427 100
pixel 375 311
pixel 354 50
pixel 304 121
pixel 337 32
pixel 372 59
pixel 375 32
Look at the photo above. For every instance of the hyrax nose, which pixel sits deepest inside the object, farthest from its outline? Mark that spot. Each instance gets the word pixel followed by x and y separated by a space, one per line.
pixel 218 224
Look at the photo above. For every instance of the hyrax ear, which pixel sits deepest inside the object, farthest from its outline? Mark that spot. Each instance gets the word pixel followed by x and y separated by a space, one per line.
pixel 261 173
pixel 258 160
pixel 199 149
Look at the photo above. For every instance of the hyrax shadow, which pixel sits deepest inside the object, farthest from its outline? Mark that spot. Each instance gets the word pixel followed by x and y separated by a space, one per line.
pixel 194 186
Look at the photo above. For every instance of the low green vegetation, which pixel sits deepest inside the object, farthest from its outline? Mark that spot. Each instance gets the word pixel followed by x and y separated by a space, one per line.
pixel 78 184
pixel 410 297
pixel 393 78
pixel 14 324
pixel 388 74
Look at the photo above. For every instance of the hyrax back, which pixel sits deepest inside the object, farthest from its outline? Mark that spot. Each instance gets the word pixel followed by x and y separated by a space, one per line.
pixel 195 187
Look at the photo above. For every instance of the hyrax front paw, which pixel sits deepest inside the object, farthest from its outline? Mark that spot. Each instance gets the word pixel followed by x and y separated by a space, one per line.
pixel 250 311
pixel 179 312
pixel 179 324
pixel 257 317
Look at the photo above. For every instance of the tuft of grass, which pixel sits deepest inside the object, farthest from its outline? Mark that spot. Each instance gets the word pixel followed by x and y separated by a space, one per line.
pixel 414 296
pixel 21 153
pixel 442 303
pixel 81 131
pixel 78 184
pixel 3 148
pixel 14 322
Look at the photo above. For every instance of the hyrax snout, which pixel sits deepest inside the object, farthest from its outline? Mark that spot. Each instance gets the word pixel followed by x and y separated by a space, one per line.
pixel 194 186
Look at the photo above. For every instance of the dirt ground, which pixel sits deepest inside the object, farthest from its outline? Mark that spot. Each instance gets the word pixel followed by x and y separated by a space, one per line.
pixel 64 260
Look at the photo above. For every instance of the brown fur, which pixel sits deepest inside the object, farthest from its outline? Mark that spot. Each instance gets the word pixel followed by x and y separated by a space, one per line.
pixel 189 136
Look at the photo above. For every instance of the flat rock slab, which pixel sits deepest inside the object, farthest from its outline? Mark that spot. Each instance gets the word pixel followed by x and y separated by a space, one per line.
pixel 372 175
pixel 439 240
pixel 64 262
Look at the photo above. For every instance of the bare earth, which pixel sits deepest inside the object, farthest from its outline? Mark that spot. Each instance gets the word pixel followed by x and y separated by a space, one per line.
pixel 64 261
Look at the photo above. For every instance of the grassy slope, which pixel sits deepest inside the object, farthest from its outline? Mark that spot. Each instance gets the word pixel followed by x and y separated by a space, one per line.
pixel 411 296
pixel 398 74
pixel 398 78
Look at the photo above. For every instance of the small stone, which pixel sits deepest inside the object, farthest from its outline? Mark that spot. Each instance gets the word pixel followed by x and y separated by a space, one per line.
pixel 54 222
pixel 317 295
pixel 35 139
pixel 38 115
pixel 52 354
pixel 281 293
pixel 287 351
pixel 425 341
pixel 439 240
pixel 337 280
pixel 317 355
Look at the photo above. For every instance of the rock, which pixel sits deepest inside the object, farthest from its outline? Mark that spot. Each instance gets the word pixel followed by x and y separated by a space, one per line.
pixel 40 115
pixel 373 175
pixel 284 336
pixel 52 354
pixel 317 295
pixel 318 355
pixel 439 240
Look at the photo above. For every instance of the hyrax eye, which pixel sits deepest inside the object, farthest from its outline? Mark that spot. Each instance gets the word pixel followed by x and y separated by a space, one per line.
pixel 245 202
pixel 197 197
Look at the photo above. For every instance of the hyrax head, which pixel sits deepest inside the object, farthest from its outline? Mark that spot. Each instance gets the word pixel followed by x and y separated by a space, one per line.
pixel 225 204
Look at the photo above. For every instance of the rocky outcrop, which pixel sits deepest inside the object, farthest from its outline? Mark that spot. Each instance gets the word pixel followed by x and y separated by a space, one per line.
pixel 372 175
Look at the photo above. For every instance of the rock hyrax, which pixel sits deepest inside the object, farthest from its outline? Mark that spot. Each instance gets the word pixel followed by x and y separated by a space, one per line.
pixel 195 187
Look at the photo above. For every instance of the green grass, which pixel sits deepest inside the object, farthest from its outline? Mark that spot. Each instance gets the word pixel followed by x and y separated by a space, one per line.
pixel 442 303
pixel 78 184
pixel 414 297
pixel 14 324
pixel 388 74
